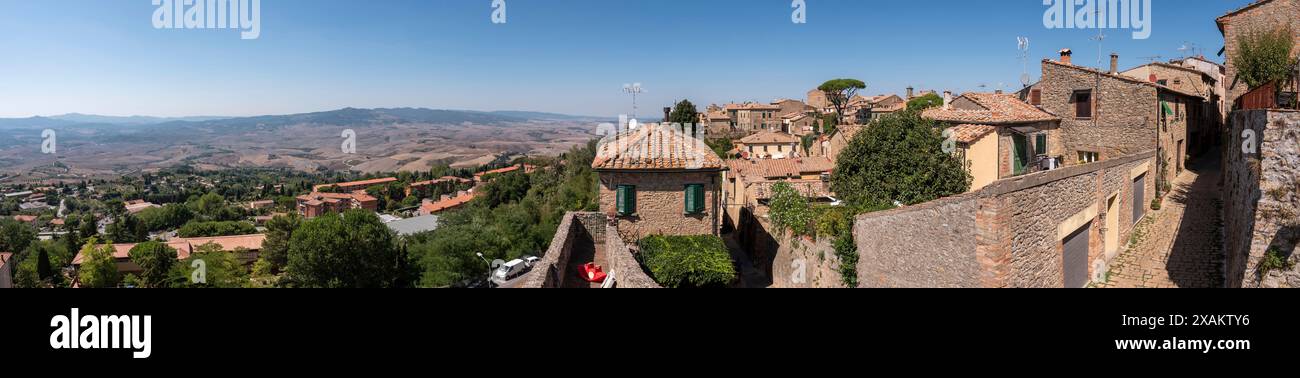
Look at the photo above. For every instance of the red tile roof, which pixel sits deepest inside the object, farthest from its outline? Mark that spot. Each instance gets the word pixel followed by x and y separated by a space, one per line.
pixel 366 183
pixel 655 147
pixel 185 246
pixel 999 109
pixel 25 218
pixel 780 168
pixel 752 106
pixel 768 137
pixel 444 205
pixel 968 133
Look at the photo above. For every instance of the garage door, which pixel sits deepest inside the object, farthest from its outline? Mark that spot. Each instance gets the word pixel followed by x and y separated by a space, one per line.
pixel 1139 197
pixel 1075 258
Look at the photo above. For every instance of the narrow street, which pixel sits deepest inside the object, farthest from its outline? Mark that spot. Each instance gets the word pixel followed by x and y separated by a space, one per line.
pixel 1179 246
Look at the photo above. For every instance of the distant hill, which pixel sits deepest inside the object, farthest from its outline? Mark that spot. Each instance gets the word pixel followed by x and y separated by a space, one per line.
pixel 132 120
pixel 346 116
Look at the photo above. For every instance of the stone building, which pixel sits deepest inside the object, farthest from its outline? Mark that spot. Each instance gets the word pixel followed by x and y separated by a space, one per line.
pixel 769 145
pixel 657 180
pixel 718 124
pixel 315 204
pixel 799 124
pixel 748 182
pixel 1260 16
pixel 998 136
pixel 1059 228
pixel 1105 115
pixel 1217 73
pixel 818 100
pixel 753 117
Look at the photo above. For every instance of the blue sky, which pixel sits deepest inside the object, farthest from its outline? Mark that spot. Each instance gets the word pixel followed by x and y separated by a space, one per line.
pixel 566 56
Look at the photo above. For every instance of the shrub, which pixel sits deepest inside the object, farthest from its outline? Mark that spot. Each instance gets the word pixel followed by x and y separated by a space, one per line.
pixel 1155 203
pixel 1264 57
pixel 790 210
pixel 1274 260
pixel 688 261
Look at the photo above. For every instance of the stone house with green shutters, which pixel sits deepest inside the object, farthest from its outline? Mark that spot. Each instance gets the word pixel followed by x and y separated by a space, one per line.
pixel 657 180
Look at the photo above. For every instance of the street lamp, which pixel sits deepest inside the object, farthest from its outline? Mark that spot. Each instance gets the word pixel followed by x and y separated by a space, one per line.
pixel 489 271
pixel 633 89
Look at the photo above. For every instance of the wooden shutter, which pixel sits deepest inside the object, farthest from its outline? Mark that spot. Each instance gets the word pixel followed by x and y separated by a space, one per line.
pixel 699 198
pixel 1035 97
pixel 694 199
pixel 626 199
pixel 1040 144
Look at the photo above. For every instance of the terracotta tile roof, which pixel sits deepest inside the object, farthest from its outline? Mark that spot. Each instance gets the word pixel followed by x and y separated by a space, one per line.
pixel 768 137
pixel 444 205
pixel 655 147
pixel 25 218
pixel 794 117
pixel 316 198
pixel 1123 78
pixel 441 180
pixel 809 188
pixel 968 133
pixel 185 246
pixel 527 168
pixel 366 183
pixel 718 116
pixel 999 109
pixel 779 168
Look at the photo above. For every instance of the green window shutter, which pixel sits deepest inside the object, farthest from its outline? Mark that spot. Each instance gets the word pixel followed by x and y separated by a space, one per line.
pixel 626 201
pixel 694 199
pixel 1020 150
pixel 1040 144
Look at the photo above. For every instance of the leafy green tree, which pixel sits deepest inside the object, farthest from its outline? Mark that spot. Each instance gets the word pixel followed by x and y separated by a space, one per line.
pixel 721 146
pixel 88 227
pixel 684 113
pixel 156 260
pixel 1265 56
pixel 126 229
pixel 355 250
pixel 929 100
pixel 840 91
pixel 98 267
pixel 211 229
pixel 275 249
pixel 219 269
pixel 15 236
pixel 899 159
pixel 507 188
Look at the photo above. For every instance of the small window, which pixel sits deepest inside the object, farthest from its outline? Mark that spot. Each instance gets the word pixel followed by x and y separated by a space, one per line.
pixel 694 199
pixel 1083 104
pixel 1040 144
pixel 1035 97
pixel 1086 157
pixel 626 200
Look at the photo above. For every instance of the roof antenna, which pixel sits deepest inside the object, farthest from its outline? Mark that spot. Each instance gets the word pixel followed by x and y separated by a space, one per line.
pixel 1022 44
pixel 1099 38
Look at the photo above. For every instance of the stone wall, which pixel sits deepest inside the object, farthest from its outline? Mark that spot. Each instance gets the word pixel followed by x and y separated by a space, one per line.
pixel 1261 197
pixel 1008 234
pixel 587 227
pixel 928 245
pixel 661 203
pixel 623 265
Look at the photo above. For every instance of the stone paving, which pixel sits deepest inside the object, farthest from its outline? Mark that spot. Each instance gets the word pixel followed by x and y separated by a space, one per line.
pixel 1181 244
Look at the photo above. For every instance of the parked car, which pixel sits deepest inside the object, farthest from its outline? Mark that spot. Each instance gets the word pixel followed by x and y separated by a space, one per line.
pixel 510 270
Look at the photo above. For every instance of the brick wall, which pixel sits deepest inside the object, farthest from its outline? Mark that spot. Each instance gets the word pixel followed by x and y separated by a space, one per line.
pixel 1008 234
pixel 1261 196
pixel 1266 17
pixel 661 202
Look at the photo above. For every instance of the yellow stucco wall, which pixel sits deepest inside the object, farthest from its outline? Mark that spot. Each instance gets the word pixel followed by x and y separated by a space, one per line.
pixel 982 160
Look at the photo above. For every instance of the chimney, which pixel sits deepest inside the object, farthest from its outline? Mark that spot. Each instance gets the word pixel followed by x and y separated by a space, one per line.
pixel 909 93
pixel 1065 57
pixel 999 91
pixel 1114 63
pixel 947 100
pixel 667 112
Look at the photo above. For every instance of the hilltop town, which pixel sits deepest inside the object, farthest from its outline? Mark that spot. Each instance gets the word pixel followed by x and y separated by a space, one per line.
pixel 1171 174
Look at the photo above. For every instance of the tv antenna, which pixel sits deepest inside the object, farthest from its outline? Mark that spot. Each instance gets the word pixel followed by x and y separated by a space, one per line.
pixel 1100 38
pixel 1022 45
pixel 1188 49
pixel 633 89
pixel 1152 59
